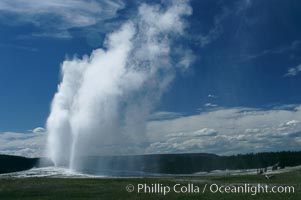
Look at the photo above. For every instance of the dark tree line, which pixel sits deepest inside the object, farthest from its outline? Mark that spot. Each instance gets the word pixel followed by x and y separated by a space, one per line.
pixel 167 163
pixel 10 163
pixel 191 163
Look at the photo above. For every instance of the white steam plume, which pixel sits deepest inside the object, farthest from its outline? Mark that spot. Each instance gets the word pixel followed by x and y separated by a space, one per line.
pixel 104 99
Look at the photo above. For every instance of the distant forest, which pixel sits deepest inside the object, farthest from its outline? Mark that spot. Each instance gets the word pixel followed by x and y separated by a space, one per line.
pixel 168 163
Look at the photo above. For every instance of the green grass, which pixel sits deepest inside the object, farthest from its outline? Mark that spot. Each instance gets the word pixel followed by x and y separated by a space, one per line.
pixel 113 188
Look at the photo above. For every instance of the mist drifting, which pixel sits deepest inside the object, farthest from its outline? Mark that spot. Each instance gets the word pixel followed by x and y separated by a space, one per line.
pixel 103 101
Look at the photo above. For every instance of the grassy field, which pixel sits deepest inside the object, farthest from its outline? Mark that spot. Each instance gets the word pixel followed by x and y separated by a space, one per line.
pixel 115 188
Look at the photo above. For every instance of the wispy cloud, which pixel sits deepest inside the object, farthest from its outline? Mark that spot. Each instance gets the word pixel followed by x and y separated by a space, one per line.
pixel 218 26
pixel 20 47
pixel 216 30
pixel 293 71
pixel 273 51
pixel 56 17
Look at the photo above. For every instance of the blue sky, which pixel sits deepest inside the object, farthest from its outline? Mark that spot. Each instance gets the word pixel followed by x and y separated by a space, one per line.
pixel 246 53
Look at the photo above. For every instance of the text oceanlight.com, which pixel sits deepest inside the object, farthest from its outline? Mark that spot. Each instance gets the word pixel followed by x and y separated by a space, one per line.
pixel 190 188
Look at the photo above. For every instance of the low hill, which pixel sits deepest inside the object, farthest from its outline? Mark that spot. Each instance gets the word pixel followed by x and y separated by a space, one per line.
pixel 9 163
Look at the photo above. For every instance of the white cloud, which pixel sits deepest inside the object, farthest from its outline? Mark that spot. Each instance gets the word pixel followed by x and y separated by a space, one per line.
pixel 38 130
pixel 24 144
pixel 212 96
pixel 210 105
pixel 223 131
pixel 56 17
pixel 252 130
pixel 290 123
pixel 198 133
pixel 294 71
pixel 233 130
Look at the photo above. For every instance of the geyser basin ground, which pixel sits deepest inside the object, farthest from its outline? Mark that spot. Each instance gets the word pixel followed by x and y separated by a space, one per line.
pixel 108 188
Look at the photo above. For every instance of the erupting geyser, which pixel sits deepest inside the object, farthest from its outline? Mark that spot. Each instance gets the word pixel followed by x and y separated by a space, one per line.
pixel 104 99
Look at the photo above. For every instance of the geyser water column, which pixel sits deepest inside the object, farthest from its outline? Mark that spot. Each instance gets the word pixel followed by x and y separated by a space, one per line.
pixel 103 101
